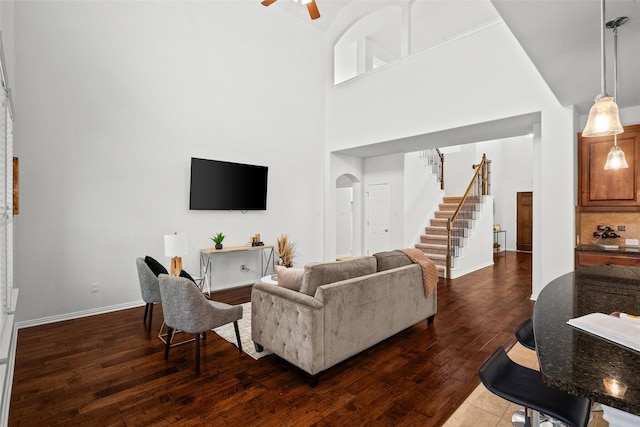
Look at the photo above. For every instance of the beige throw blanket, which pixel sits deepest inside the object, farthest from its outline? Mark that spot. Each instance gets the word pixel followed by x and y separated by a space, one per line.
pixel 429 269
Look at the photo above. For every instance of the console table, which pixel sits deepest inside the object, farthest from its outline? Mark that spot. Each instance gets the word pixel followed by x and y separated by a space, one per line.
pixel 267 261
pixel 496 239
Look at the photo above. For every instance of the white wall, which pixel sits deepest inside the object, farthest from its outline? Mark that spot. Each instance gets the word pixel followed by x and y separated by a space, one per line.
pixel 458 169
pixel 337 165
pixel 113 98
pixel 422 196
pixel 344 221
pixel 511 172
pixel 482 77
pixel 388 170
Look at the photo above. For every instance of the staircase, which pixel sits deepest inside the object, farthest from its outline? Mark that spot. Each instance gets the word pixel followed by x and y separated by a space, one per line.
pixel 434 241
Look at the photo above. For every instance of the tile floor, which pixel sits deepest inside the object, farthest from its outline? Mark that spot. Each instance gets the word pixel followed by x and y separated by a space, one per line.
pixel 483 408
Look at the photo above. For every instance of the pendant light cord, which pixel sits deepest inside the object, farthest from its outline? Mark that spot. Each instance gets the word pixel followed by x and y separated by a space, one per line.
pixel 603 75
pixel 615 74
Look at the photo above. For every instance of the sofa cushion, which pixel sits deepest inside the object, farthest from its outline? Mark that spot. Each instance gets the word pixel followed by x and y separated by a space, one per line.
pixel 290 278
pixel 322 273
pixel 392 259
pixel 155 266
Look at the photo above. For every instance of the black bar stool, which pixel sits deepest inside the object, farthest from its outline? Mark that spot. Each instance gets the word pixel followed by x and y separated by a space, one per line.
pixel 524 334
pixel 524 386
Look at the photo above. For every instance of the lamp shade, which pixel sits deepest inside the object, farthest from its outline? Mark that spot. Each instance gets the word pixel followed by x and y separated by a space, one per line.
pixel 616 159
pixel 175 245
pixel 604 119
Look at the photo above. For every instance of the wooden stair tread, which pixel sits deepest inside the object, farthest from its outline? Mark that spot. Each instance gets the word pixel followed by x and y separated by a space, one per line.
pixel 434 243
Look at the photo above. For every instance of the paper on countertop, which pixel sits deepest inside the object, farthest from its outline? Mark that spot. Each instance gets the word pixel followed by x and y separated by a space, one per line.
pixel 621 330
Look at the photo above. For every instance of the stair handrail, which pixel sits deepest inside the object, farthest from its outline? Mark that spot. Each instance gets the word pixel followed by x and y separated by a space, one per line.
pixel 441 177
pixel 437 166
pixel 483 167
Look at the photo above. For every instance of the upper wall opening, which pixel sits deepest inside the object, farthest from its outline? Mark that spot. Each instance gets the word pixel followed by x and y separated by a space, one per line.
pixel 389 31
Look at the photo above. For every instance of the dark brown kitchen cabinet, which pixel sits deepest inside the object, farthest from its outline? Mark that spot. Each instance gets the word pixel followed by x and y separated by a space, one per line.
pixel 609 190
pixel 600 258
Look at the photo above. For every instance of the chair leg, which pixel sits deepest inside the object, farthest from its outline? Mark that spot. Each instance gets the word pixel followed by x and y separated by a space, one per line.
pixel 527 417
pixel 235 326
pixel 150 317
pixel 146 309
pixel 168 344
pixel 314 379
pixel 197 354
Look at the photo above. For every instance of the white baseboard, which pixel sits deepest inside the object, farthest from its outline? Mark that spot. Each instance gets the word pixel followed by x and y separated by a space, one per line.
pixel 78 314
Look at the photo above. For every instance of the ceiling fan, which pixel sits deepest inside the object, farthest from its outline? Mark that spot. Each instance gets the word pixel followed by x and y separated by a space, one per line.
pixel 311 6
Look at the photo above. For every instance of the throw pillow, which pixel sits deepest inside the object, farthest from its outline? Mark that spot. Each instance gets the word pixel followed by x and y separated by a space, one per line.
pixel 186 275
pixel 318 274
pixel 155 266
pixel 290 278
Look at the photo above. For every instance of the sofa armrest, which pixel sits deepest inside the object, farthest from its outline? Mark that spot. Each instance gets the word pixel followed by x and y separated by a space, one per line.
pixel 290 324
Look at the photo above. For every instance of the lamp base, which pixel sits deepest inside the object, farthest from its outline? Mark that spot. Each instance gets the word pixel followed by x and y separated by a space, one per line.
pixel 176 266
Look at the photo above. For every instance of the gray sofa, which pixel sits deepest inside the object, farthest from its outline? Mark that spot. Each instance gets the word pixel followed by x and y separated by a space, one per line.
pixel 341 309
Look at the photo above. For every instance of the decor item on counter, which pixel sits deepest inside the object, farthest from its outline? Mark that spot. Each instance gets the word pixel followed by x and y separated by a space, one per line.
pixel 606 232
pixel 217 239
pixel 255 240
pixel 175 245
pixel 615 158
pixel 286 251
pixel 603 118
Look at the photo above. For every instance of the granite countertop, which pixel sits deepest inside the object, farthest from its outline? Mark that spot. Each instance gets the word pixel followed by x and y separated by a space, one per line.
pixel 626 250
pixel 578 362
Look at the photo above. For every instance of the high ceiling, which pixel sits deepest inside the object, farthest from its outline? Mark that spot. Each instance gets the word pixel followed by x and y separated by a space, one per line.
pixel 562 38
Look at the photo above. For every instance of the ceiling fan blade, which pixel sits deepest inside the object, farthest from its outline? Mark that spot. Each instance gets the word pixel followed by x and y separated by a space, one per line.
pixel 267 2
pixel 313 9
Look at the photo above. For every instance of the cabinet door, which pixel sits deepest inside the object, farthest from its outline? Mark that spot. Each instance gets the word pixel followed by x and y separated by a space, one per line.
pixel 602 189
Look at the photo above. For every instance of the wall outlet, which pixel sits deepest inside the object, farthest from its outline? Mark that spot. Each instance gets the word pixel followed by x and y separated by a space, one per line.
pixel 95 288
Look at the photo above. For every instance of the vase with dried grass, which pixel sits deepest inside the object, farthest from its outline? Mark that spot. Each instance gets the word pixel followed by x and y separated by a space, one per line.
pixel 286 251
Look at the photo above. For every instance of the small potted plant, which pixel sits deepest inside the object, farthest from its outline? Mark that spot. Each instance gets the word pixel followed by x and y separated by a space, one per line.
pixel 217 239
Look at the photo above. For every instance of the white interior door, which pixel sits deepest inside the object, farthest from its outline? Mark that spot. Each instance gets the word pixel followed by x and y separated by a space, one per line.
pixel 379 218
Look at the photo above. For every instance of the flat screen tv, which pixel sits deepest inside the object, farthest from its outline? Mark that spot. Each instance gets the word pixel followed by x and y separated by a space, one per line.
pixel 218 185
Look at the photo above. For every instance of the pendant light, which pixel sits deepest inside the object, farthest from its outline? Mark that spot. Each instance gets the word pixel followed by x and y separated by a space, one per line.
pixel 603 117
pixel 615 158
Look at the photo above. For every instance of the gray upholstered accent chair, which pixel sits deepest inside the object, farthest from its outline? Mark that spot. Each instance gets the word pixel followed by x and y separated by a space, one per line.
pixel 149 287
pixel 186 309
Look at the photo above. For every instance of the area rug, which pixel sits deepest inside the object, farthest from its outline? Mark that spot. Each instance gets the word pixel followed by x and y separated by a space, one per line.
pixel 244 325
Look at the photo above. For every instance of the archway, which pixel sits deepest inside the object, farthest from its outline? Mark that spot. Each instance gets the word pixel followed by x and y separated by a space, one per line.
pixel 345 219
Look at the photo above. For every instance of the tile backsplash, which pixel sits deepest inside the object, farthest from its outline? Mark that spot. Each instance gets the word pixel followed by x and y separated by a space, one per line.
pixel 588 222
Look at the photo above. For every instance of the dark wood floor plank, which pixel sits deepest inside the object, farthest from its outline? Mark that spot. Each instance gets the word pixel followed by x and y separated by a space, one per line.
pixel 107 371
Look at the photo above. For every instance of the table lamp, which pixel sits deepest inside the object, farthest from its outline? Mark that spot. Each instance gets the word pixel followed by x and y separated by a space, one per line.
pixel 175 245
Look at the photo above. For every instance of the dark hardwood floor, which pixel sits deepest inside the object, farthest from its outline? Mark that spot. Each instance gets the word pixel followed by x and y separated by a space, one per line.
pixel 106 370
